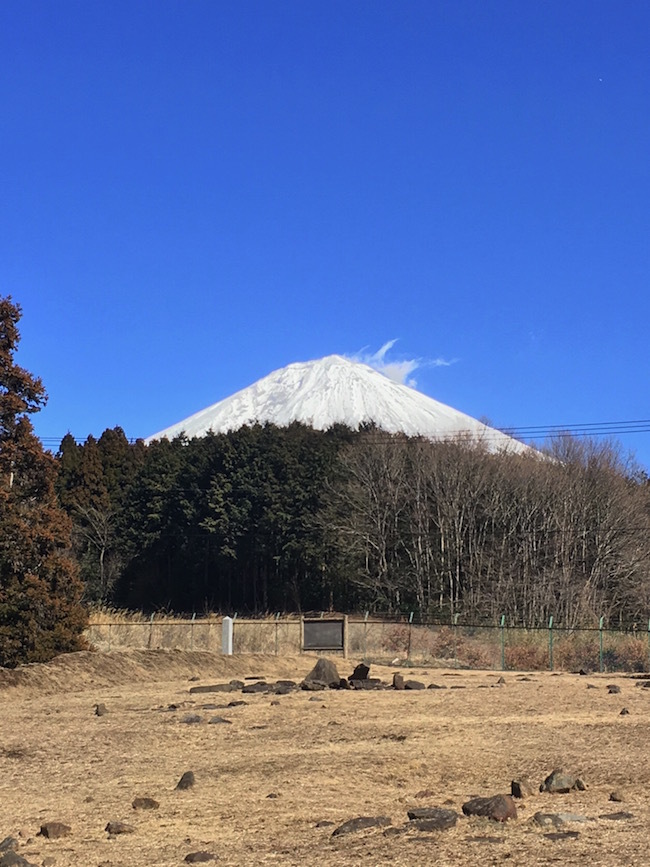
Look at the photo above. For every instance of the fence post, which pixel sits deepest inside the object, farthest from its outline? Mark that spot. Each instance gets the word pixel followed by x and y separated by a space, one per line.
pixel 600 645
pixel 503 642
pixel 110 625
pixel 365 635
pixel 151 630
pixel 226 635
pixel 302 634
pixel 455 634
pixel 408 649
pixel 277 638
pixel 192 631
pixel 648 645
pixel 550 643
pixel 345 636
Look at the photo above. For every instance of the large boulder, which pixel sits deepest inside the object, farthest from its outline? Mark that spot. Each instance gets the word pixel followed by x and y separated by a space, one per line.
pixel 325 673
pixel 499 808
pixel 559 782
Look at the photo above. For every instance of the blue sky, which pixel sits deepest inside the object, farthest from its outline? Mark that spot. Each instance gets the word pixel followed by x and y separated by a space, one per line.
pixel 193 194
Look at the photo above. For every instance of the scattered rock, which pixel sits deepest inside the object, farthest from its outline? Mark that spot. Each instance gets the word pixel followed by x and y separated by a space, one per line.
pixel 360 672
pixel 591 686
pixel 616 796
pixel 13 859
pixel 398 681
pixel 238 702
pixel 562 835
pixel 215 687
pixel 9 843
pixel 436 686
pixel 186 781
pixel 424 793
pixel 239 684
pixel 324 823
pixel 457 686
pixel 499 808
pixel 100 710
pixel 413 684
pixel 199 857
pixel 258 687
pixel 314 698
pixel 191 718
pixel 275 702
pixel 613 689
pixel 501 680
pixel 624 712
pixel 559 782
pixel 432 818
pixel 521 788
pixel 114 828
pixel 49 862
pixel 360 823
pixel 54 830
pixel 219 720
pixel 323 672
pixel 398 738
pixel 313 685
pixel 145 804
pixel 556 820
pixel 583 672
pixel 273 795
pixel 617 817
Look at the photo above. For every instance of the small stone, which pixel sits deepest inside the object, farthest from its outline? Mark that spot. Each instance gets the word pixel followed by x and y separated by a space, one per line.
pixel 559 782
pixel 616 796
pixel 617 817
pixel 216 687
pixel 562 835
pixel 556 820
pixel 398 681
pixel 238 702
pixel 259 687
pixel 100 710
pixel 501 681
pixel 219 720
pixel 360 672
pixel 54 830
pixel 49 862
pixel 360 823
pixel 273 795
pixel 191 718
pixel 499 808
pixel 186 781
pixel 432 819
pixel 591 686
pixel 13 859
pixel 436 686
pixel 199 857
pixel 413 684
pixel 424 793
pixel 275 703
pixel 624 712
pixel 324 823
pixel 114 828
pixel 613 689
pixel 521 788
pixel 145 804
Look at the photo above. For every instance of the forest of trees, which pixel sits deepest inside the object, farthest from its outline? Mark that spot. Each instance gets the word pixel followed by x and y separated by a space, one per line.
pixel 288 519
pixel 291 519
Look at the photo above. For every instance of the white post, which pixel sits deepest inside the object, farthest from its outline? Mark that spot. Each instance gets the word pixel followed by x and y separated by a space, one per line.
pixel 226 636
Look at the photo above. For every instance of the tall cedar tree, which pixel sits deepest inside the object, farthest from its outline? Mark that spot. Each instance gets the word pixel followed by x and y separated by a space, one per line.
pixel 41 614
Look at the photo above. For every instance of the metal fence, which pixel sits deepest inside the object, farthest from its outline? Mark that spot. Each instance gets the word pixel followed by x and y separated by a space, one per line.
pixel 498 646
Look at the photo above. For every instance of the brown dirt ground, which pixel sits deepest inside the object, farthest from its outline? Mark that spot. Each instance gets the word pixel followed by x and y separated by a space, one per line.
pixel 332 759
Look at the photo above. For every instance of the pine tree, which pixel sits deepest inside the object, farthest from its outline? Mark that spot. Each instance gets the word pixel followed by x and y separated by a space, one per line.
pixel 40 609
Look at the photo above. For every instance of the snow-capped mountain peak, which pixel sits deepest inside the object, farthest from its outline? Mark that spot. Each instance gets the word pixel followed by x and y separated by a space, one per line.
pixel 335 390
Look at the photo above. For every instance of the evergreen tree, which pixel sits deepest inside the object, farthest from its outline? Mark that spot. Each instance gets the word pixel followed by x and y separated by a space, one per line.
pixel 40 610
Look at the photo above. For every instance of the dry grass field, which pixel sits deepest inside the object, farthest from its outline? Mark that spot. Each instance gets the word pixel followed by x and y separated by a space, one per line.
pixel 285 764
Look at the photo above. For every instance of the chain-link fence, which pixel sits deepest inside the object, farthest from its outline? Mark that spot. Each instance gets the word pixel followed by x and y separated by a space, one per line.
pixel 498 646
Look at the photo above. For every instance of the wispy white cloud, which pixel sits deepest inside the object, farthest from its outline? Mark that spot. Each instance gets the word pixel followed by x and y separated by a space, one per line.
pixel 399 370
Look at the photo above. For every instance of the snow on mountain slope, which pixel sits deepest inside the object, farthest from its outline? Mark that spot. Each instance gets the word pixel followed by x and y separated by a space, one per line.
pixel 336 390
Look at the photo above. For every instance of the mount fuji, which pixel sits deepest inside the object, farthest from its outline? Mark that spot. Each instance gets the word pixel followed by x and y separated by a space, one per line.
pixel 336 390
